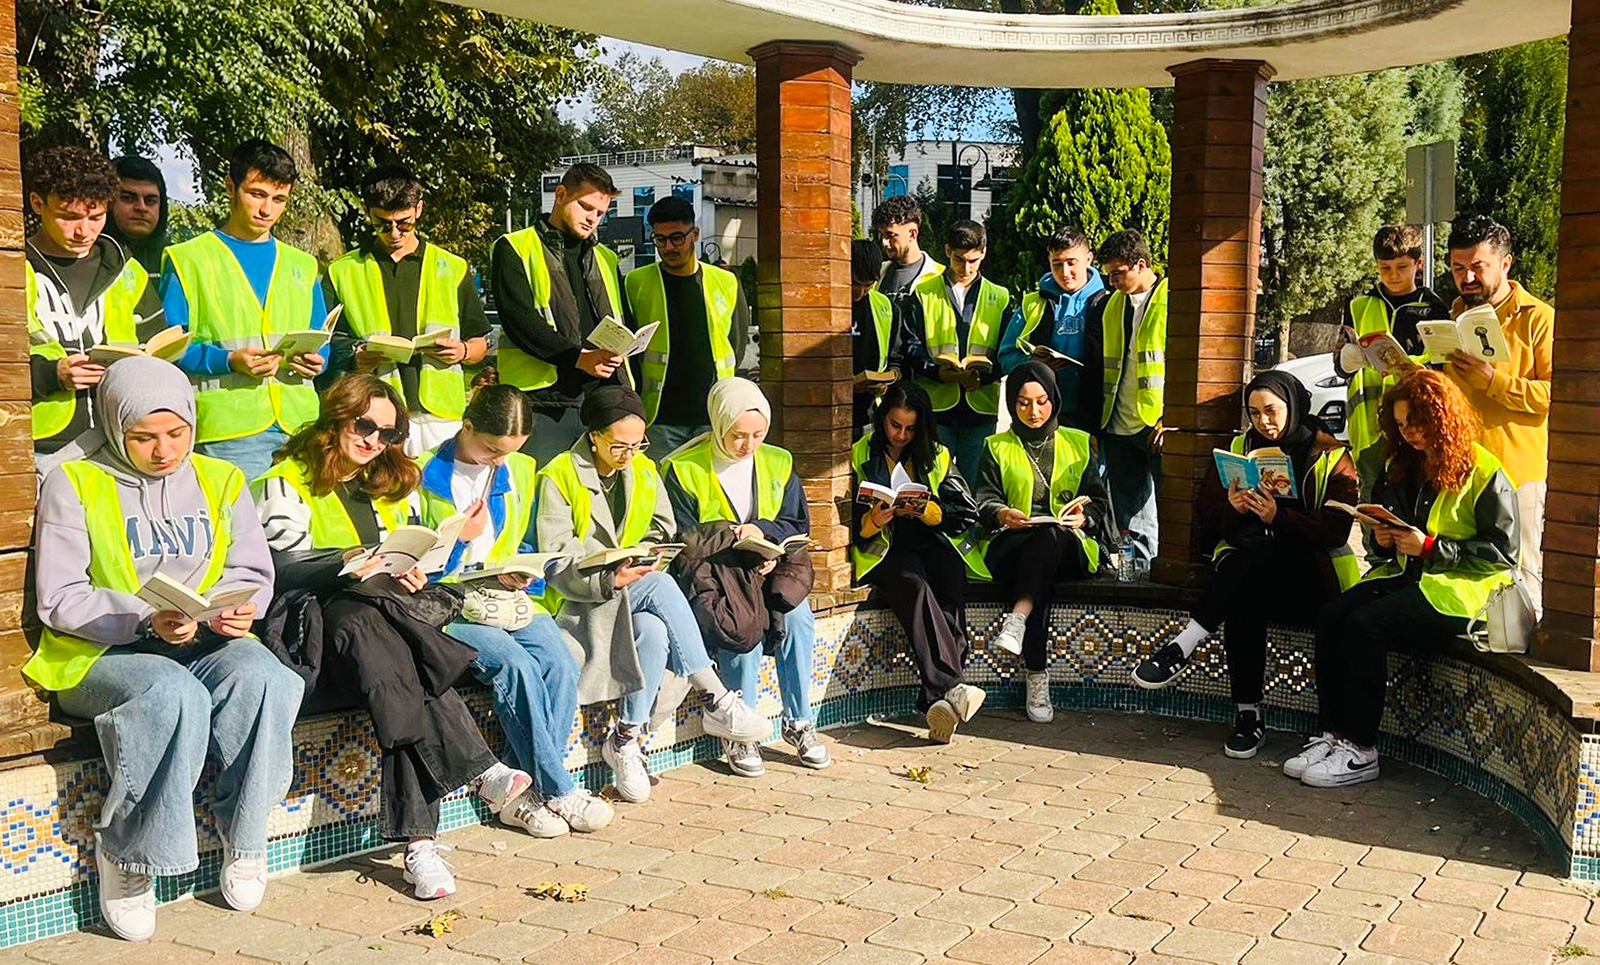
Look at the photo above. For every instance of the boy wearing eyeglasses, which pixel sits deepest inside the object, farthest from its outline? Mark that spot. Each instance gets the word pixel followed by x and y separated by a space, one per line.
pixel 395 283
pixel 237 291
pixel 703 319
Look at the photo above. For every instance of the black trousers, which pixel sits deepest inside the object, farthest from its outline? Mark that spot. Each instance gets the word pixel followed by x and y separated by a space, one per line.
pixel 1030 562
pixel 1267 581
pixel 924 581
pixel 1355 632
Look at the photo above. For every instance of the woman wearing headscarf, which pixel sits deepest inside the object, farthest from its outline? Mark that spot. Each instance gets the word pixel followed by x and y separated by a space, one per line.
pixel 732 476
pixel 162 689
pixel 1028 477
pixel 919 557
pixel 632 618
pixel 1278 558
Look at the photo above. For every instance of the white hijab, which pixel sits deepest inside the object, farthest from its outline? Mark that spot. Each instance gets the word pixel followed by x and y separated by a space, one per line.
pixel 729 399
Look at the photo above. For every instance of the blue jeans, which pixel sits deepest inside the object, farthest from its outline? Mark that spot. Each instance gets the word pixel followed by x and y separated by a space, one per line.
pixel 535 683
pixel 1133 476
pixel 664 438
pixel 665 635
pixel 742 671
pixel 966 445
pixel 253 454
pixel 158 710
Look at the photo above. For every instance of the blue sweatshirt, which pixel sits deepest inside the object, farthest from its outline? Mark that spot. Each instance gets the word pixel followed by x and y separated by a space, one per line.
pixel 1065 335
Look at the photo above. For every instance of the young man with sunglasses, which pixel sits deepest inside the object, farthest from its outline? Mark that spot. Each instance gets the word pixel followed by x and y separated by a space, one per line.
pixel 395 283
pixel 703 319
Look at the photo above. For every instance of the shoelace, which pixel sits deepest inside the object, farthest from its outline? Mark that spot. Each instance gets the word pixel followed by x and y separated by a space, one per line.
pixel 431 851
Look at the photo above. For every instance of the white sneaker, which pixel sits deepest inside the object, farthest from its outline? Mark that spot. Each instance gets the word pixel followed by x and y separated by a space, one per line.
pixel 965 700
pixel 1009 639
pixel 942 720
pixel 1039 709
pixel 744 758
pixel 802 735
pixel 500 785
pixel 1343 765
pixel 127 900
pixel 629 773
pixel 429 874
pixel 734 720
pixel 244 880
pixel 1315 750
pixel 530 814
pixel 582 811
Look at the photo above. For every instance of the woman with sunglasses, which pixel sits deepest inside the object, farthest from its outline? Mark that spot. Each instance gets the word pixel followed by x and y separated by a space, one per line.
pixel 344 482
pixel 631 618
pixel 731 477
pixel 522 654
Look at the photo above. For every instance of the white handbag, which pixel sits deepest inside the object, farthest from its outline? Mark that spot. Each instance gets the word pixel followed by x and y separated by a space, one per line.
pixel 1506 622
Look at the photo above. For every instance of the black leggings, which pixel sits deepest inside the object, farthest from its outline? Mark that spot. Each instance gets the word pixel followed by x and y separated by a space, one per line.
pixel 1269 581
pixel 1030 562
pixel 1355 632
pixel 925 582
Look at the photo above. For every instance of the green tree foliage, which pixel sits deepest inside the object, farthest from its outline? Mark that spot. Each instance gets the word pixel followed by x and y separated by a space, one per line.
pixel 1509 160
pixel 639 103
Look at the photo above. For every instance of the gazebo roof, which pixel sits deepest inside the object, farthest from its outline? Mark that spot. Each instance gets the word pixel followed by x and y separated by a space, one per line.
pixel 907 43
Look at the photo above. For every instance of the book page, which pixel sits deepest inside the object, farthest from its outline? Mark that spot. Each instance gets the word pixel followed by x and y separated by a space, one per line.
pixel 1439 339
pixel 1479 332
pixel 614 337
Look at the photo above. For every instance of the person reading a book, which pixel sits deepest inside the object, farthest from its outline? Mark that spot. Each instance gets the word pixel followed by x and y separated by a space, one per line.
pixel 919 558
pixel 872 331
pixel 703 319
pixel 394 285
pixel 522 655
pixel 1031 489
pixel 733 476
pixel 1053 316
pixel 630 617
pixel 82 289
pixel 341 483
pixel 163 689
pixel 1278 558
pixel 1512 397
pixel 1453 542
pixel 237 290
pixel 956 319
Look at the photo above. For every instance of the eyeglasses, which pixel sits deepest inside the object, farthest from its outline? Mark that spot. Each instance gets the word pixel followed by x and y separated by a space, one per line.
pixel 673 240
pixel 618 450
pixel 394 226
pixel 362 427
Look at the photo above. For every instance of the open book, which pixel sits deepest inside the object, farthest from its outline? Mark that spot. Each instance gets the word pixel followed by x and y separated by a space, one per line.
pixel 410 547
pixel 1371 514
pixel 531 565
pixel 972 363
pixel 1066 511
pixel 169 344
pixel 1045 353
pixel 165 593
pixel 1385 353
pixel 400 350
pixel 1475 331
pixel 873 376
pixel 1267 468
pixel 614 337
pixel 308 342
pixel 907 495
pixel 662 553
pixel 768 550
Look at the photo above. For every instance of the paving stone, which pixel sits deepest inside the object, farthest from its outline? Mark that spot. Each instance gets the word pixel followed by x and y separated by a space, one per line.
pixel 1209 885
pixel 1404 941
pixel 1396 859
pixel 753 876
pixel 1079 841
pixel 1316 928
pixel 701 900
pixel 1456 919
pixel 1515 929
pixel 1254 920
pixel 916 845
pixel 845 923
pixel 721 940
pixel 1125 934
pixel 1003 883
pixel 1050 922
pixel 925 936
pixel 874 955
pixel 1559 903
pixel 974 911
pixel 1167 906
pixel 791 948
pixel 587 949
pixel 1185 832
pixel 1205 944
pixel 1090 896
pixel 824 886
pixel 1353 904
pixel 657 955
pixel 1318 874
pixel 1276 951
pixel 634 890
pixel 645 926
pixel 1123 874
pixel 573 917
pixel 775 910
pixel 1459 891
pixel 738 845
pixel 1082 955
pixel 937 873
pixel 998 948
pixel 1478 951
pixel 1287 895
pixel 509 941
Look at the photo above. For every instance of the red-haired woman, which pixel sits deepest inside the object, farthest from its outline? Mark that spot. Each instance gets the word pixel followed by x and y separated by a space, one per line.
pixel 1458 546
pixel 342 482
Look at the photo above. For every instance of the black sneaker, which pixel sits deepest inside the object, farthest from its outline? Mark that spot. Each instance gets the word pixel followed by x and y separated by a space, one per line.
pixel 1249 733
pixel 1160 668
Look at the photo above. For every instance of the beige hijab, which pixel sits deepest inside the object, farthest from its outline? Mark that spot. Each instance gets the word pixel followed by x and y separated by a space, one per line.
pixel 729 399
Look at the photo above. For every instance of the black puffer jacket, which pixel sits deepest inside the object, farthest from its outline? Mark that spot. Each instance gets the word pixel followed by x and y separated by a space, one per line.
pixel 733 603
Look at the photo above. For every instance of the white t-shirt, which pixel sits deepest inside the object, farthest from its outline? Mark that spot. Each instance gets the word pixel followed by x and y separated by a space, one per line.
pixel 1125 417
pixel 738 481
pixel 467 485
pixel 959 292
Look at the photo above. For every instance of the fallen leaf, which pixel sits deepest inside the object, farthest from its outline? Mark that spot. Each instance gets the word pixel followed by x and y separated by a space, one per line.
pixel 560 891
pixel 441 924
pixel 967 765
pixel 920 774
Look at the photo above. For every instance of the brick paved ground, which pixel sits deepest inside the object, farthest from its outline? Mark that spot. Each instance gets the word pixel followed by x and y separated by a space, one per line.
pixel 1096 840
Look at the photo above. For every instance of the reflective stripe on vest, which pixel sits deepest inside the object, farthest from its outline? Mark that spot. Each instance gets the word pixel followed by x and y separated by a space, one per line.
pixel 519 506
pixel 331 526
pixel 118 302
pixel 517 367
pixel 223 310
pixel 358 279
pixel 644 482
pixel 1066 472
pixel 1454 516
pixel 647 296
pixel 692 467
pixel 61 661
pixel 942 338
pixel 863 559
pixel 1150 360
pixel 1345 565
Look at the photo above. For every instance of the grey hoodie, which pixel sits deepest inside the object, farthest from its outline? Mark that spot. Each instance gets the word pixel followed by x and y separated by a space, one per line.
pixel 169 526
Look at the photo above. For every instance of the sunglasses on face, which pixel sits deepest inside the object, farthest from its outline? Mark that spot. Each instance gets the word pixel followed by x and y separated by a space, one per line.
pixel 394 226
pixel 363 428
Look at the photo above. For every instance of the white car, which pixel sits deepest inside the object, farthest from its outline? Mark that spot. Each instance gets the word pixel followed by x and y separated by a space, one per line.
pixel 1327 389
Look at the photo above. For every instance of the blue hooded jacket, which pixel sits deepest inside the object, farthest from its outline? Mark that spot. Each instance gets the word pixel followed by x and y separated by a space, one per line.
pixel 1066 335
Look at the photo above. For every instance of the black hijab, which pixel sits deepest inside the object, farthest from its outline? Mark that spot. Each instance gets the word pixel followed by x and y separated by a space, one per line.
pixel 1299 437
pixel 606 404
pixel 1022 375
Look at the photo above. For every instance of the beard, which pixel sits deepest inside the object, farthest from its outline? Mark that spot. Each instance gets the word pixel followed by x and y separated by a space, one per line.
pixel 1472 299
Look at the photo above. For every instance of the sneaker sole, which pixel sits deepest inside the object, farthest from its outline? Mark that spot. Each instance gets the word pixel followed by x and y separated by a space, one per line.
pixel 1241 755
pixel 1049 715
pixel 970 708
pixel 411 880
pixel 1001 644
pixel 1343 780
pixel 1147 685
pixel 609 758
pixel 942 721
pixel 747 772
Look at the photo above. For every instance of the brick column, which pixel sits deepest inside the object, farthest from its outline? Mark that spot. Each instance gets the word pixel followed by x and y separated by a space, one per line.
pixel 1571 624
pixel 803 291
pixel 1219 116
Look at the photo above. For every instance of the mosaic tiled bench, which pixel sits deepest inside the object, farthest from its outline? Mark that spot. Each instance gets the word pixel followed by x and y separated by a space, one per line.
pixel 1485 722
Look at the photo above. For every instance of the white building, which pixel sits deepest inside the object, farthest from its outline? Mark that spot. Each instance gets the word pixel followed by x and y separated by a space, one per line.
pixel 966 172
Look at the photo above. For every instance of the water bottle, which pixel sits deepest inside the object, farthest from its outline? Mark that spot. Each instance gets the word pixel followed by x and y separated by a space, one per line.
pixel 1125 564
